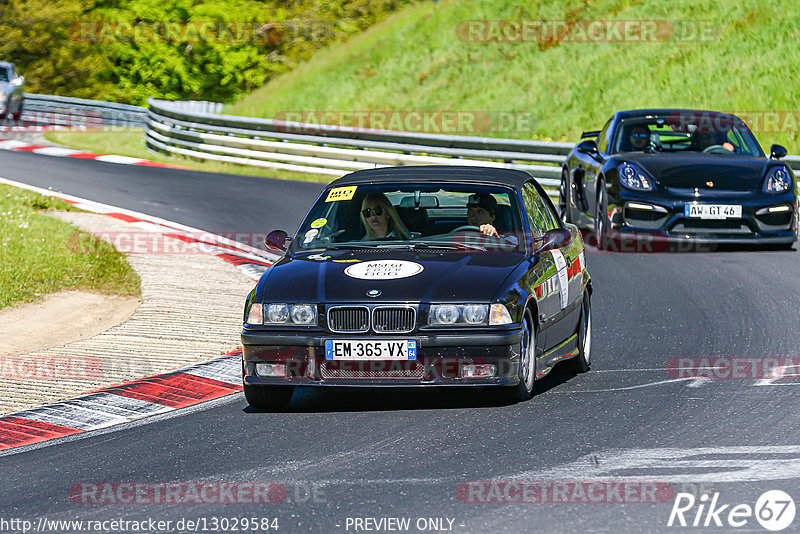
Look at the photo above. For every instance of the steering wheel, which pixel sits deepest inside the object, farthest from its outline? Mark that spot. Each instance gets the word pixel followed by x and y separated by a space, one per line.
pixel 466 228
pixel 712 148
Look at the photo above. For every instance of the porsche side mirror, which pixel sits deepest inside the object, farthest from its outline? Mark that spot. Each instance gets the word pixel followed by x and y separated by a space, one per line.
pixel 777 152
pixel 587 147
pixel 278 239
pixel 554 239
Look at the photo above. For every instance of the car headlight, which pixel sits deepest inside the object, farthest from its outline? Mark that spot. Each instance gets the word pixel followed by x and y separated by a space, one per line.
pixel 778 180
pixel 633 177
pixel 280 313
pixel 458 314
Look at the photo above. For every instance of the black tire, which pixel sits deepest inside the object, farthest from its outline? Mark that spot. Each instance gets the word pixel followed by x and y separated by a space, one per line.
pixel 582 362
pixel 601 218
pixel 527 365
pixel 563 197
pixel 268 397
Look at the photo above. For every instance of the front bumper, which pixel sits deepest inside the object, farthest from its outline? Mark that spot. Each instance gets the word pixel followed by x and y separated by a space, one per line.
pixel 666 219
pixel 440 360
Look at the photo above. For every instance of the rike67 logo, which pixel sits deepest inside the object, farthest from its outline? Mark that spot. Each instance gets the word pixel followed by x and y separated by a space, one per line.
pixel 774 510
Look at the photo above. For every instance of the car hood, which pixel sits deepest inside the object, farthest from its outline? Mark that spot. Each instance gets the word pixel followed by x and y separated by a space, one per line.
pixel 735 173
pixel 6 87
pixel 445 276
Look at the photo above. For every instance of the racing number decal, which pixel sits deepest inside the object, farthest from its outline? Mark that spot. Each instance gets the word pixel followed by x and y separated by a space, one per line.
pixel 563 279
pixel 341 193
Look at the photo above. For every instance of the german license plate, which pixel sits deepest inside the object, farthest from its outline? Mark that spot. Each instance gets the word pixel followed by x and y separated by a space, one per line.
pixel 712 211
pixel 372 349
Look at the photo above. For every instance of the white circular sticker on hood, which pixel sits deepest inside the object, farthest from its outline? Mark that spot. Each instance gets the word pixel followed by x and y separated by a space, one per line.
pixel 383 269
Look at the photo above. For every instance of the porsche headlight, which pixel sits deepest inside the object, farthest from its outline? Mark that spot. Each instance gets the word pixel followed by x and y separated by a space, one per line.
pixel 299 314
pixel 633 177
pixel 458 314
pixel 778 180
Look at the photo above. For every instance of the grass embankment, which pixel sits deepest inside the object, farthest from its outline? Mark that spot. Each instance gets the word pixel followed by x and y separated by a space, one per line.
pixel 130 142
pixel 423 59
pixel 40 255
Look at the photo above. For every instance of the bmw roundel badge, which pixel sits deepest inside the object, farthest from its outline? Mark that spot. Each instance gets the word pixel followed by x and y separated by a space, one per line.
pixel 373 293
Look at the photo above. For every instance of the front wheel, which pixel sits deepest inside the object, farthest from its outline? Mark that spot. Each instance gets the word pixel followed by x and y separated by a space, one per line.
pixel 601 223
pixel 268 397
pixel 527 362
pixel 581 362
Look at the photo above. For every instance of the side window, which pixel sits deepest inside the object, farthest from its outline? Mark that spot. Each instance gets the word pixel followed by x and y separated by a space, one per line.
pixel 547 213
pixel 540 217
pixel 734 140
pixel 602 138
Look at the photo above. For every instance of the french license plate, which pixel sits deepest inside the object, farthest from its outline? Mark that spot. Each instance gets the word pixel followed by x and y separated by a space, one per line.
pixel 373 349
pixel 712 211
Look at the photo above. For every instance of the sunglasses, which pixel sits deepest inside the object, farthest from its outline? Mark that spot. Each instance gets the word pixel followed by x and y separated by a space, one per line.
pixel 369 212
pixel 640 135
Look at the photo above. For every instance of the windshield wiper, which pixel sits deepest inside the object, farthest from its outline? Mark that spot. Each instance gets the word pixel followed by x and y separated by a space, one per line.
pixel 447 246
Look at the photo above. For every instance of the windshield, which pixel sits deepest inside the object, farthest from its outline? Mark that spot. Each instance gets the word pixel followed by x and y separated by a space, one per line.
pixel 453 216
pixel 686 132
pixel 4 75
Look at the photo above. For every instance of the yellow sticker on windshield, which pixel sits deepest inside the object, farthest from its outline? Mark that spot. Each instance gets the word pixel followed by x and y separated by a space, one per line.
pixel 341 193
pixel 319 223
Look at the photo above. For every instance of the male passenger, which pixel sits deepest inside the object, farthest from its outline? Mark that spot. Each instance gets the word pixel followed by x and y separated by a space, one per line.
pixel 481 212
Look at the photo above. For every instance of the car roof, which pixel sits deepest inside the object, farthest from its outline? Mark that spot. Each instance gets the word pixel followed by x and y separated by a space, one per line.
pixel 668 111
pixel 6 64
pixel 437 174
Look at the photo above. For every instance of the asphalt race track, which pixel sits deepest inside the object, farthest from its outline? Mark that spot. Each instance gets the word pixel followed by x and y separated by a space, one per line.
pixel 348 455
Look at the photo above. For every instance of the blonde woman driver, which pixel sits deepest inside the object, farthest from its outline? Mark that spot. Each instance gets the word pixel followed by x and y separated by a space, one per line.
pixel 381 219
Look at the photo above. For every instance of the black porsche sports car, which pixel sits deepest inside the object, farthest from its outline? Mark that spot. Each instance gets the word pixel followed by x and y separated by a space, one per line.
pixel 681 175
pixel 420 276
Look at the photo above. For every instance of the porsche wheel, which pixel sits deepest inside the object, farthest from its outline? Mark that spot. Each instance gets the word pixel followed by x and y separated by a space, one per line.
pixel 601 223
pixel 268 397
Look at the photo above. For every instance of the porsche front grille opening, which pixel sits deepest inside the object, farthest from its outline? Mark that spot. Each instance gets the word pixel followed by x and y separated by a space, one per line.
pixel 348 319
pixel 692 226
pixel 394 320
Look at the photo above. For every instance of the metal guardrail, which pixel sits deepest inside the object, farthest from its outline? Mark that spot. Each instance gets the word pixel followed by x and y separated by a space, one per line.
pixel 335 150
pixel 66 111
pixel 330 150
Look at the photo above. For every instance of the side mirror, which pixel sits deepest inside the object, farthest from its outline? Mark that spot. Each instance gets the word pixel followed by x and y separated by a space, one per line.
pixel 278 239
pixel 587 147
pixel 777 152
pixel 554 239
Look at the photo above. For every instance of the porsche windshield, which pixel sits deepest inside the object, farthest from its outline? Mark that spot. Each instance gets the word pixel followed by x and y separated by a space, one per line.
pixel 453 216
pixel 686 132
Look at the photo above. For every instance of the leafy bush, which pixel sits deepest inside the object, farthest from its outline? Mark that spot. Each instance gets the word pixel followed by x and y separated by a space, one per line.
pixel 128 50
